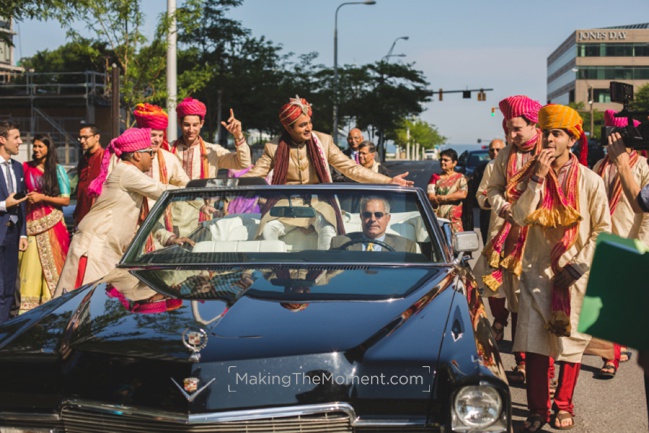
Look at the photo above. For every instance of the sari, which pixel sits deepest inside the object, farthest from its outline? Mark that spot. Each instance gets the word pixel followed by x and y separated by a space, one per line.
pixel 451 211
pixel 48 242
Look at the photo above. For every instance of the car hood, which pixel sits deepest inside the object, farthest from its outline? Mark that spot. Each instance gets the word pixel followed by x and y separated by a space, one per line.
pixel 255 322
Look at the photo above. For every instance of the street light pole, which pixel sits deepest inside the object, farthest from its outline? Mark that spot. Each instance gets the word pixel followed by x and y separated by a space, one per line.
pixel 335 87
pixel 387 56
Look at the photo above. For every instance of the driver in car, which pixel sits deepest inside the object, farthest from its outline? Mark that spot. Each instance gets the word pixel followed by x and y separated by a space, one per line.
pixel 375 218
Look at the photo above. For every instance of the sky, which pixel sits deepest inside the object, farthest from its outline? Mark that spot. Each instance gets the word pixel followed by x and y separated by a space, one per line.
pixel 458 44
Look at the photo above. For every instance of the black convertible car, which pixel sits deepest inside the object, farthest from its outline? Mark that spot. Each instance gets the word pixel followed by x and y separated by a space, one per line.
pixel 275 313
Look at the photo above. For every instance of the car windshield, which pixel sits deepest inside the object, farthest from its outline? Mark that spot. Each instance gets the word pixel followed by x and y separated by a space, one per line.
pixel 254 225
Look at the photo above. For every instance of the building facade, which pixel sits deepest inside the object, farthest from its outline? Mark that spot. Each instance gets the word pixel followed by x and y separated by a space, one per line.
pixel 582 67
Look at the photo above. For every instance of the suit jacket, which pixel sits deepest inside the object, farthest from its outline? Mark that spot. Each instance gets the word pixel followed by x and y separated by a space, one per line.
pixel 19 210
pixel 399 243
pixel 305 173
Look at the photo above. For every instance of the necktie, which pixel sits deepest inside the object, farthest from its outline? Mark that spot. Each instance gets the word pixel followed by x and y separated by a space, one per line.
pixel 10 186
pixel 10 178
pixel 370 246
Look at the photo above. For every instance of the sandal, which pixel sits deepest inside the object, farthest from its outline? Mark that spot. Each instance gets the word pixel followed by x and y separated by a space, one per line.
pixel 517 375
pixel 606 372
pixel 625 355
pixel 535 423
pixel 498 332
pixel 559 417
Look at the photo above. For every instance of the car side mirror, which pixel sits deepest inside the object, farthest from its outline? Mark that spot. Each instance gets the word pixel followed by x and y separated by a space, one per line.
pixel 465 242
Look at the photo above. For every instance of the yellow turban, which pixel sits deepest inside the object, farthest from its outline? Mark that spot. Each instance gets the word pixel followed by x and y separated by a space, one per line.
pixel 555 116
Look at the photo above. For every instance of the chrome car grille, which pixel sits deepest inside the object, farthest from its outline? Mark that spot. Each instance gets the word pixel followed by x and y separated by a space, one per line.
pixel 77 419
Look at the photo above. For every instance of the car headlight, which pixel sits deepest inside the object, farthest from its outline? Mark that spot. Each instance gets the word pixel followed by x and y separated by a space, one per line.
pixel 475 408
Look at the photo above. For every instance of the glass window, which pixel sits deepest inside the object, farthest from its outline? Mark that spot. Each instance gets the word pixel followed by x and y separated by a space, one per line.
pixel 613 50
pixel 287 225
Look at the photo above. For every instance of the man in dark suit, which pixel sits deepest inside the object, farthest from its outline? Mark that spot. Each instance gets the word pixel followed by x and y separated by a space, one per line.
pixel 13 232
pixel 375 218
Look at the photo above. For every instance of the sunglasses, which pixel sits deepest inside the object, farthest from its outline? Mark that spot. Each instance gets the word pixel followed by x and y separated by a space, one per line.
pixel 377 215
pixel 85 137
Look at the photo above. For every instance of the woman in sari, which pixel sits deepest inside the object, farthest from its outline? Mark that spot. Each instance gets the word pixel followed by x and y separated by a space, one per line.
pixel 48 239
pixel 446 191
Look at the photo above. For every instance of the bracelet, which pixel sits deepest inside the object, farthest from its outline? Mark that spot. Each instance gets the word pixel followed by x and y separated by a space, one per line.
pixel 240 140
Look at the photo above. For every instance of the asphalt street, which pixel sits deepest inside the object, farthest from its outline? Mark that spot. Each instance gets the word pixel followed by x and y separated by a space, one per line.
pixel 602 406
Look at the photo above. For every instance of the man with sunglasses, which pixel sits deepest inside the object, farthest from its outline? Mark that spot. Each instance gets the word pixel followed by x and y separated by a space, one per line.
pixel 375 218
pixel 107 230
pixel 87 169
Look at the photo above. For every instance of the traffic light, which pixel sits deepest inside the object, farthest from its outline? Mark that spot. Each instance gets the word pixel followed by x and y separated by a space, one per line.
pixel 466 94
pixel 482 96
pixel 493 111
pixel 441 94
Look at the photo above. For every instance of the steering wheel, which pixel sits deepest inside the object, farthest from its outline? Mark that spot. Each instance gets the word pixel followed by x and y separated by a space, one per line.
pixel 364 241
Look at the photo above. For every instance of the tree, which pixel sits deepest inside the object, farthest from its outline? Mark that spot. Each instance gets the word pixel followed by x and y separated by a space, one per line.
pixel 76 56
pixel 379 95
pixel 418 131
pixel 598 119
pixel 640 99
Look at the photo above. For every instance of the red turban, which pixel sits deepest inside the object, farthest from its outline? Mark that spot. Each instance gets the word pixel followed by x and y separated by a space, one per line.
pixel 131 140
pixel 191 107
pixel 620 122
pixel 150 116
pixel 520 106
pixel 296 107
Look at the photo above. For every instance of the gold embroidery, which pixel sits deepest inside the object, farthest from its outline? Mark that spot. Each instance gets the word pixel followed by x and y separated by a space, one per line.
pixel 43 224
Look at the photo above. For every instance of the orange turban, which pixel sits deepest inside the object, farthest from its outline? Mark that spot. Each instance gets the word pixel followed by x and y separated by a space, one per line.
pixel 296 107
pixel 150 116
pixel 191 107
pixel 555 116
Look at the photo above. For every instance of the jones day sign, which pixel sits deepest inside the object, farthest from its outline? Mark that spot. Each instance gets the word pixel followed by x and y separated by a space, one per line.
pixel 601 36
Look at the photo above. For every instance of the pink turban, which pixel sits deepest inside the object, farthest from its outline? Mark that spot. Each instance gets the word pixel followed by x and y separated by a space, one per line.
pixel 131 140
pixel 520 106
pixel 296 107
pixel 191 107
pixel 150 116
pixel 620 122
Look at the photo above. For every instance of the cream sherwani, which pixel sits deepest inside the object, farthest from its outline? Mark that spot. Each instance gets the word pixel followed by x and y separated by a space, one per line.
pixel 535 288
pixel 498 200
pixel 495 222
pixel 107 230
pixel 625 222
pixel 217 157
pixel 301 169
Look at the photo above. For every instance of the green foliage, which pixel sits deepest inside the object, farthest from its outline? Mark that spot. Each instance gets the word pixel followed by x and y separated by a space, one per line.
pixel 585 113
pixel 222 64
pixel 420 132
pixel 640 99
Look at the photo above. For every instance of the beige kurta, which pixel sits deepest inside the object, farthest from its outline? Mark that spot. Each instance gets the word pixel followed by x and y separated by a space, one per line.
pixel 301 169
pixel 535 287
pixel 175 173
pixel 498 200
pixel 107 230
pixel 217 157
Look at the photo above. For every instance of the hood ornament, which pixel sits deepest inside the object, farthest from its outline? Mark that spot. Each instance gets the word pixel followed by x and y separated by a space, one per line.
pixel 195 340
pixel 190 388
